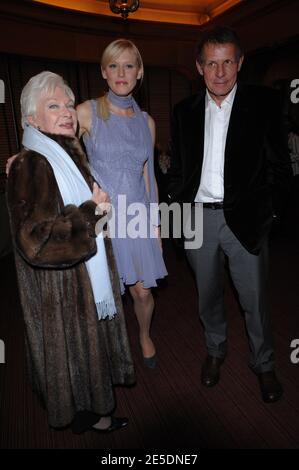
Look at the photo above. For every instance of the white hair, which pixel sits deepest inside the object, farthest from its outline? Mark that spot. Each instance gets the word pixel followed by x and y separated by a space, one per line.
pixel 42 83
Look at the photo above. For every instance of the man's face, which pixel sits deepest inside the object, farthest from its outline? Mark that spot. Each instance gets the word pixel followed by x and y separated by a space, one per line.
pixel 219 69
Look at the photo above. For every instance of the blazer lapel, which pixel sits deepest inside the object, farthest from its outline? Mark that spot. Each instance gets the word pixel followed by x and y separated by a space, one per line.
pixel 234 138
pixel 197 130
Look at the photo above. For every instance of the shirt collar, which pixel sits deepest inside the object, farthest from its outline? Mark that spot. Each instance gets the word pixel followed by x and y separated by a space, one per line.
pixel 229 99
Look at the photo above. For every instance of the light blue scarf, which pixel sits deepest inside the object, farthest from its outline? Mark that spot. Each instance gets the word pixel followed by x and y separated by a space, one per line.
pixel 74 190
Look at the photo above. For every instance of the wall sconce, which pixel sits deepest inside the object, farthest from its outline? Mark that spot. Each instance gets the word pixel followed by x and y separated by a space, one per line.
pixel 123 8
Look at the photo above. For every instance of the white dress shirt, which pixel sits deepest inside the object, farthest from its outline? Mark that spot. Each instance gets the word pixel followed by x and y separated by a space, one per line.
pixel 211 188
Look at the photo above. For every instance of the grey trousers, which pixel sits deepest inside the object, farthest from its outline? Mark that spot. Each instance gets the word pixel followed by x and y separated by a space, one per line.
pixel 249 275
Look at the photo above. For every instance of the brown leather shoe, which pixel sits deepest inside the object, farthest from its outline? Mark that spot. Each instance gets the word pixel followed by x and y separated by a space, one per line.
pixel 210 372
pixel 271 389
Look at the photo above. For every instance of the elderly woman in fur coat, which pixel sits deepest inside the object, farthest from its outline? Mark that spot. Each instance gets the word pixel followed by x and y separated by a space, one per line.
pixel 76 340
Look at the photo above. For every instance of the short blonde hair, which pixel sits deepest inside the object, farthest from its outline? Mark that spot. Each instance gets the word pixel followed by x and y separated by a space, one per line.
pixel 116 48
pixel 112 52
pixel 42 83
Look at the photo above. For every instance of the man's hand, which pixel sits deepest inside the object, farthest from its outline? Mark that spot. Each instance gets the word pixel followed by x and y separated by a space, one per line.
pixel 9 162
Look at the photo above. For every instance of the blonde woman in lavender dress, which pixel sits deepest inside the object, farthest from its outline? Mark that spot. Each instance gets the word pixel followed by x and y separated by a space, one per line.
pixel 119 140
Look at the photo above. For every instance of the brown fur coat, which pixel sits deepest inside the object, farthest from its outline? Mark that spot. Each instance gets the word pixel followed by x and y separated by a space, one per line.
pixel 74 358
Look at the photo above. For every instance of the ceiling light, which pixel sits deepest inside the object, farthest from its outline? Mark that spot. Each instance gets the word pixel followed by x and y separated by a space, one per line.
pixel 123 8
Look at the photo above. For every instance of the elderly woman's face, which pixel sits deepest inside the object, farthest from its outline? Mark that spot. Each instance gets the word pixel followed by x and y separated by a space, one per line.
pixel 55 114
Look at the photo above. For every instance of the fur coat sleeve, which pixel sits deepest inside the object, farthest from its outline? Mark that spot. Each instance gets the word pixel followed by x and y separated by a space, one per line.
pixel 47 233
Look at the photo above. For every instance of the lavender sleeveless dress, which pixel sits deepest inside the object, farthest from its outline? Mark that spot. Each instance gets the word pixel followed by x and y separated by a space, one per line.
pixel 117 150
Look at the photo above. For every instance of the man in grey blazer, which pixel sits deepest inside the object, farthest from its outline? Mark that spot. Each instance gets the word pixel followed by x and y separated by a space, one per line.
pixel 229 153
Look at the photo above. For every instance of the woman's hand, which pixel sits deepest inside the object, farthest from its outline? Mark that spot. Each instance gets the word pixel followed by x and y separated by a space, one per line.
pixel 9 162
pixel 157 230
pixel 102 200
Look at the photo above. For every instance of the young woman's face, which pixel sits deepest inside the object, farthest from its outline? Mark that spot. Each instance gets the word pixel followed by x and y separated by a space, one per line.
pixel 122 73
pixel 55 113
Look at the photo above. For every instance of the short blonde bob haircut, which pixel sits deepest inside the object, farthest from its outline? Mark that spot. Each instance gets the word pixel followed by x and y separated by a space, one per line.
pixel 43 83
pixel 111 53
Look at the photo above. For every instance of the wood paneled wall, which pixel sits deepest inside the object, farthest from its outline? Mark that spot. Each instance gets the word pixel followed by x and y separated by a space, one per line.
pixel 34 37
pixel 161 89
